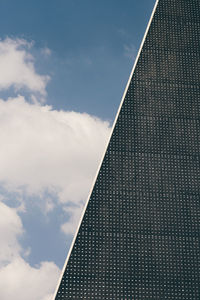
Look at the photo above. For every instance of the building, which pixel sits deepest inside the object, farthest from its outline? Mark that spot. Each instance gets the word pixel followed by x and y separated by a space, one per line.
pixel 139 236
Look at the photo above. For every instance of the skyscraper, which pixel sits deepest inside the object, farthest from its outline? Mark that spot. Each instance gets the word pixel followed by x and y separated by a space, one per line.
pixel 139 235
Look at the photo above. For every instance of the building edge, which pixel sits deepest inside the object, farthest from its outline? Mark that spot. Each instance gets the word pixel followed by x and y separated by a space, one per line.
pixel 103 155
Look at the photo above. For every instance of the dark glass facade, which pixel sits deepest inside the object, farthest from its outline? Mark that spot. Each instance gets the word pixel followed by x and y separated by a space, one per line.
pixel 139 237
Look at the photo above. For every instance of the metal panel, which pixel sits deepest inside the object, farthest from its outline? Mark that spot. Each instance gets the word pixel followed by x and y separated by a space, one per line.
pixel 139 236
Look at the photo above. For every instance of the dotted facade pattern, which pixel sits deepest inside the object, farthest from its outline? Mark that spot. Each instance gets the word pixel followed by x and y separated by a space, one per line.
pixel 139 237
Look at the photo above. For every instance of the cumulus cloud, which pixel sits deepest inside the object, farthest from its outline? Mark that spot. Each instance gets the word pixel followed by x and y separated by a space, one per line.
pixel 19 280
pixel 46 153
pixel 42 150
pixel 17 67
pixel 49 150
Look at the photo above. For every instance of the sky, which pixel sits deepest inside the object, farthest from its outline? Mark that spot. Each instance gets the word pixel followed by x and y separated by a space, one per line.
pixel 64 66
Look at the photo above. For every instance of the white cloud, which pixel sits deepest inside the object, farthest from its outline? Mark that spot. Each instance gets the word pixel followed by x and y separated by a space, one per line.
pixel 44 152
pixel 74 213
pixel 48 150
pixel 10 229
pixel 19 280
pixel 17 67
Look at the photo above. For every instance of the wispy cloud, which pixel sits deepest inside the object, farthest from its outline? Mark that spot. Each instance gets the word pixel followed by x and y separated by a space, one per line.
pixel 130 51
pixel 46 51
pixel 124 34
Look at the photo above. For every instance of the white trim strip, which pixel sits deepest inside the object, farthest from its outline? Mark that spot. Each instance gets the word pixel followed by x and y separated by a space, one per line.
pixel 123 97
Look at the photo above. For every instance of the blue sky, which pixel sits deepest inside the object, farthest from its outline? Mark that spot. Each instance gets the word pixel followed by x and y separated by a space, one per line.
pixel 92 44
pixel 63 69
